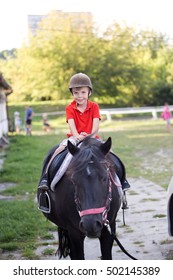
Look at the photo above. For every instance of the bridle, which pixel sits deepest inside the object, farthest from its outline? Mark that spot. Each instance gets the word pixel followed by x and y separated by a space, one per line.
pixel 100 210
pixel 103 210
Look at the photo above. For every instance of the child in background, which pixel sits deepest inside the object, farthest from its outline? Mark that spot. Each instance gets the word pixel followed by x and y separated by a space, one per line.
pixel 17 122
pixel 166 115
pixel 46 125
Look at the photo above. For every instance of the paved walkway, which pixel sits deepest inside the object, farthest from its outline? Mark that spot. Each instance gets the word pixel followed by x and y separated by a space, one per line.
pixel 145 235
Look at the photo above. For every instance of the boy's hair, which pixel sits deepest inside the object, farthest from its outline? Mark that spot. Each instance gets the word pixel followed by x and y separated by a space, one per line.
pixel 77 88
pixel 80 80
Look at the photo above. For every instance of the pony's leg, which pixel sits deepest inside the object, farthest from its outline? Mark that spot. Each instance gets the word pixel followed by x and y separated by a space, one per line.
pixel 106 243
pixel 76 244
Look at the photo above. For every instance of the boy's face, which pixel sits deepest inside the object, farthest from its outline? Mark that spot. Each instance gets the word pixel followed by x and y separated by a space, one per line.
pixel 81 94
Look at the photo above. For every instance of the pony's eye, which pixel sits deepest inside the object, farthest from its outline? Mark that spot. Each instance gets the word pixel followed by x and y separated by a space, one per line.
pixel 104 179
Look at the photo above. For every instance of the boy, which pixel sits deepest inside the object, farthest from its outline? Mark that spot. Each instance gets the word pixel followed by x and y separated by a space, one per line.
pixel 82 116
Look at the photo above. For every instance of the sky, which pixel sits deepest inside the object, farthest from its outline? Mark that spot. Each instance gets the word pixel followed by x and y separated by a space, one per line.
pixel 152 14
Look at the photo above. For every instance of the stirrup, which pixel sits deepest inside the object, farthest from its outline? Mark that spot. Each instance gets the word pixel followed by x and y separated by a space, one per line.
pixel 125 186
pixel 43 187
pixel 124 206
pixel 124 201
pixel 44 204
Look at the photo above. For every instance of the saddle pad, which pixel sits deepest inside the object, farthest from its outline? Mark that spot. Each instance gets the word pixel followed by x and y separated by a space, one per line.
pixel 60 172
pixel 56 163
pixel 60 165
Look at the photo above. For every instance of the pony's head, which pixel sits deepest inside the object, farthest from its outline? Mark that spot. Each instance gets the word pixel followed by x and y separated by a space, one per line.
pixel 90 171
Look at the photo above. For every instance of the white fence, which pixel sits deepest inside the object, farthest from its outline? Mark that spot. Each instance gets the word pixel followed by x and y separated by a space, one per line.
pixel 133 110
pixel 122 111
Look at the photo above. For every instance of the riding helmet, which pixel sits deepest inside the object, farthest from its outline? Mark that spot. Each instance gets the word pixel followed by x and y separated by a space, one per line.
pixel 80 80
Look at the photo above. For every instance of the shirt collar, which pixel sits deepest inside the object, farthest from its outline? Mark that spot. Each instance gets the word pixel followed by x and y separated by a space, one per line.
pixel 73 104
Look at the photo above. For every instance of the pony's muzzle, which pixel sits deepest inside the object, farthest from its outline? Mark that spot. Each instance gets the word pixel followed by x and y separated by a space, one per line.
pixel 91 225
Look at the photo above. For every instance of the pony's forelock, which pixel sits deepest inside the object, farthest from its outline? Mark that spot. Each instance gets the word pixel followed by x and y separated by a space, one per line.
pixel 90 151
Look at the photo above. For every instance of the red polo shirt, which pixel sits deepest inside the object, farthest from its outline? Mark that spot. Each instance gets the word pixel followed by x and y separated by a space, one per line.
pixel 83 121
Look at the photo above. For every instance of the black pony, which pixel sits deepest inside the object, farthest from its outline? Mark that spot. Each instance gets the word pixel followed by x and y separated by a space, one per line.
pixel 86 199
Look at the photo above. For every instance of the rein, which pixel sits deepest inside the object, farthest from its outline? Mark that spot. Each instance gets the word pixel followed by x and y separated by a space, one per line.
pixel 118 242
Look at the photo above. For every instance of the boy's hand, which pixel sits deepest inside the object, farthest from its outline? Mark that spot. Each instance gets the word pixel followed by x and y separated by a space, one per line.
pixel 84 134
pixel 81 136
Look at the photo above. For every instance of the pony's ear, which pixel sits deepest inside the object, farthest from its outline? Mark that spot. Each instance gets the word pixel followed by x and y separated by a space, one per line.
pixel 105 147
pixel 72 148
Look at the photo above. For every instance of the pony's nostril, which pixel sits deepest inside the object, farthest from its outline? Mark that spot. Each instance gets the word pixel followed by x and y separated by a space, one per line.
pixel 90 227
pixel 98 225
pixel 82 227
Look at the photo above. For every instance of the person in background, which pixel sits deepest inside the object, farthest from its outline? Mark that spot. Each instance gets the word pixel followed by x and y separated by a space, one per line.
pixel 46 125
pixel 28 119
pixel 17 122
pixel 166 115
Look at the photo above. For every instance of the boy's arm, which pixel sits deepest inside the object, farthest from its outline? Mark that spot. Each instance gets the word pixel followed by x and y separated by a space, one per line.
pixel 73 130
pixel 95 127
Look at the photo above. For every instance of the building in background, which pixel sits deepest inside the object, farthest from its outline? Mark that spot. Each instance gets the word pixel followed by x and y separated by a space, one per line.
pixel 81 19
pixel 33 23
pixel 5 90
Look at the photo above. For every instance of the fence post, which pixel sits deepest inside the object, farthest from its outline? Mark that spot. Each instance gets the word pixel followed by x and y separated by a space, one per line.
pixel 154 114
pixel 108 115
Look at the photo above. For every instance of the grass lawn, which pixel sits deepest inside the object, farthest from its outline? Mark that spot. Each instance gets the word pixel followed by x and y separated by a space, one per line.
pixel 143 145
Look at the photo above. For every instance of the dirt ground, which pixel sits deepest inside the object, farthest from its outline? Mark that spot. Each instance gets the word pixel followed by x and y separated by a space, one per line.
pixel 145 235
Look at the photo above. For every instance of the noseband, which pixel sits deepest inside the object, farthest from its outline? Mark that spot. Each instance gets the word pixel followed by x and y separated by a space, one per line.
pixel 101 210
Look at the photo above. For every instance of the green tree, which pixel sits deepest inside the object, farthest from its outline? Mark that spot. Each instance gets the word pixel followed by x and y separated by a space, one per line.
pixel 127 67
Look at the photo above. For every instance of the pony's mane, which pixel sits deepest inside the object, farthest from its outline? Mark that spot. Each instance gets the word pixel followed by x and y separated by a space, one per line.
pixel 90 152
